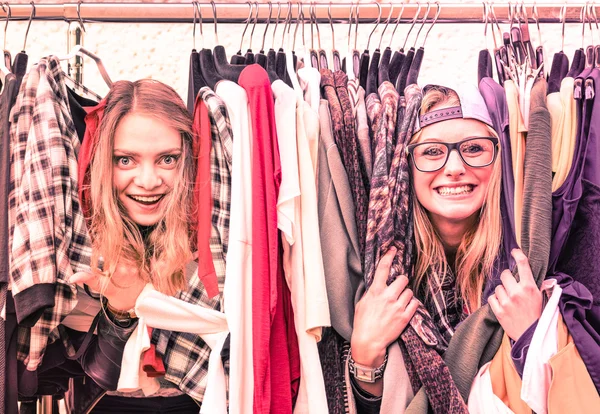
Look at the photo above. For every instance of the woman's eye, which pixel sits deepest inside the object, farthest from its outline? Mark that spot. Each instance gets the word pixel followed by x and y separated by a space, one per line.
pixel 432 151
pixel 170 159
pixel 472 149
pixel 123 161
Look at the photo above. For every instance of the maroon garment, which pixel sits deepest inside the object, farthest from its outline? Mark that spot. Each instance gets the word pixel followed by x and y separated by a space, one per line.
pixel 271 358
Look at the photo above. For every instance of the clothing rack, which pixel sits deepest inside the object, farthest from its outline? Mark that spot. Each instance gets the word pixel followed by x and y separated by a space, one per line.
pixel 230 12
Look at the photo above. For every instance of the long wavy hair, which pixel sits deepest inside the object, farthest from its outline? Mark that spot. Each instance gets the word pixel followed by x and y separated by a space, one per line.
pixel 161 256
pixel 479 246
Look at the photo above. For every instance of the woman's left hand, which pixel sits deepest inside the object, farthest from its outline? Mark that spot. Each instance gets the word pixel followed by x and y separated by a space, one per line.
pixel 517 305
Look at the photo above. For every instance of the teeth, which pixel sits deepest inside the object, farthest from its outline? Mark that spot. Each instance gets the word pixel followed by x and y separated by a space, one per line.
pixel 146 199
pixel 465 189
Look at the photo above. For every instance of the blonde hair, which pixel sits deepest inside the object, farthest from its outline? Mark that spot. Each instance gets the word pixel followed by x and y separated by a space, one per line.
pixel 479 246
pixel 116 238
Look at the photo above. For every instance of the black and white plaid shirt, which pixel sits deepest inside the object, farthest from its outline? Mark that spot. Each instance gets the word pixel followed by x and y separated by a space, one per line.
pixel 186 355
pixel 48 236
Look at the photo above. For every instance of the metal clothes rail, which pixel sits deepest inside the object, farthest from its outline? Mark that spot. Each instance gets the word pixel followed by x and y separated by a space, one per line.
pixel 237 12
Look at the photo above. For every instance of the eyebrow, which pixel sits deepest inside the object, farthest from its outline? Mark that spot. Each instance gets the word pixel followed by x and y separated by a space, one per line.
pixel 436 139
pixel 135 154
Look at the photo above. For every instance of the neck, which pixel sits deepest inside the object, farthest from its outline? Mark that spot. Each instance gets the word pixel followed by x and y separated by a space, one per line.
pixel 451 233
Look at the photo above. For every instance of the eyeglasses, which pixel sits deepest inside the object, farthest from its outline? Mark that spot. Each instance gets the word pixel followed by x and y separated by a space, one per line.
pixel 475 152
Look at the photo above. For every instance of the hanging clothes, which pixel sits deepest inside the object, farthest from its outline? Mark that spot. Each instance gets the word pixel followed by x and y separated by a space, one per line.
pixel 237 292
pixel 44 297
pixel 8 367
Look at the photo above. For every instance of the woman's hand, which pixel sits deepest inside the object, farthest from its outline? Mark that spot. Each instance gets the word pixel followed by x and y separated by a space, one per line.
pixel 121 289
pixel 517 305
pixel 381 315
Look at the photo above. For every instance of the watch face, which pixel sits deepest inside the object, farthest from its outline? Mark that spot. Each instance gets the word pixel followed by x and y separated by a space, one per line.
pixel 365 375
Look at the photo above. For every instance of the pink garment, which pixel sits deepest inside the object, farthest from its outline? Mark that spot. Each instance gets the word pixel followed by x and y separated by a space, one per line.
pixel 270 322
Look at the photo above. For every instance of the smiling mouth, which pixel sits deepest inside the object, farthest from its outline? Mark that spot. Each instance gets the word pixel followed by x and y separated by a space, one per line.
pixel 147 201
pixel 451 191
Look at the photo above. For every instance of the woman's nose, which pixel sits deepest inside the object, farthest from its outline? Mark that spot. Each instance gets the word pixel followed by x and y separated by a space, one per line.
pixel 148 178
pixel 455 164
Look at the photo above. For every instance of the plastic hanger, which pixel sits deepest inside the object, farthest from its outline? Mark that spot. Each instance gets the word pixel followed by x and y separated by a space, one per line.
pixel 399 56
pixel 79 50
pixel 373 74
pixel 384 64
pixel 272 57
pixel 539 51
pixel 366 57
pixel 415 66
pixel 484 61
pixel 19 67
pixel 281 60
pixel 218 58
pixel 249 56
pixel 335 54
pixel 261 57
pixel 401 82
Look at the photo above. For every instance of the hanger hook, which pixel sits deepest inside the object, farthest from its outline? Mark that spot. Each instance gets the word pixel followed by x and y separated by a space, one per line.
pixel 254 24
pixel 537 21
pixel 288 23
pixel 387 23
pixel 435 19
pixel 376 24
pixel 251 7
pixel 350 19
pixel 331 24
pixel 582 19
pixel 314 15
pixel 200 23
pixel 214 10
pixel 31 16
pixel 79 15
pixel 276 22
pixel 262 46
pixel 300 15
pixel 194 24
pixel 396 24
pixel 8 16
pixel 357 15
pixel 412 24
pixel 422 23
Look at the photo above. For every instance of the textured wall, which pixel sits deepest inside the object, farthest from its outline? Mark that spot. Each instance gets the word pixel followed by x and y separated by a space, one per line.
pixel 161 51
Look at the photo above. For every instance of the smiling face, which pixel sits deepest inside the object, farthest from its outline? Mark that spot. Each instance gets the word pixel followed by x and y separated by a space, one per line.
pixel 146 154
pixel 454 194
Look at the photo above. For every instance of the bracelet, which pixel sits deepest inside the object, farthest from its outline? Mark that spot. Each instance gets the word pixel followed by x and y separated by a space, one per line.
pixel 364 373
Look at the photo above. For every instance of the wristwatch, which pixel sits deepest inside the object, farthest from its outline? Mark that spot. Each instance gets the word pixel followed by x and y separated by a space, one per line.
pixel 364 373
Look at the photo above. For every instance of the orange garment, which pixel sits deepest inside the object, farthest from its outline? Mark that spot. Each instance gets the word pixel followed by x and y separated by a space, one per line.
pixel 571 390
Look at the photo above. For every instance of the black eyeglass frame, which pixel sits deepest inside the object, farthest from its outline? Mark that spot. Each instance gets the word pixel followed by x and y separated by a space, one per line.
pixel 454 146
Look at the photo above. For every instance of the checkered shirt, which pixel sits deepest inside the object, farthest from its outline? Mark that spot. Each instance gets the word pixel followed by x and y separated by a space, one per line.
pixel 48 236
pixel 186 355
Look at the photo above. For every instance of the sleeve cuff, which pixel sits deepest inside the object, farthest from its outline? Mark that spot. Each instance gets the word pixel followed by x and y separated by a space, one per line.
pixel 520 347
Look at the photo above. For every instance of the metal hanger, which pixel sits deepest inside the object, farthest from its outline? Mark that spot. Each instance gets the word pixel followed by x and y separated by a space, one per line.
pixel 423 24
pixel 276 23
pixel 262 45
pixel 376 25
pixel 6 62
pixel 396 23
pixel 435 19
pixel 539 51
pixel 387 23
pixel 251 8
pixel 31 16
pixel 79 50
pixel 412 25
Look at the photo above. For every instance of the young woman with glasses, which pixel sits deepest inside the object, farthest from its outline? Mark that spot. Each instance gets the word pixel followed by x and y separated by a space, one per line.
pixel 456 184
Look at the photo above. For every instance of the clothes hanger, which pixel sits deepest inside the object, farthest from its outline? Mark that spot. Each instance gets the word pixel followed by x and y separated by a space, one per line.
pixel 590 50
pixel 218 58
pixel 322 54
pixel 19 67
pixel 312 58
pixel 415 66
pixel 238 58
pixel 410 55
pixel 7 56
pixel 365 57
pixel 4 68
pixel 249 57
pixel 484 61
pixel 197 80
pixel 539 51
pixel 403 74
pixel 597 48
pixel 383 74
pixel 261 57
pixel 500 53
pixel 399 56
pixel 335 54
pixel 352 61
pixel 299 20
pixel 205 58
pixel 528 46
pixel 281 60
pixel 347 60
pixel 373 74
pixel 272 55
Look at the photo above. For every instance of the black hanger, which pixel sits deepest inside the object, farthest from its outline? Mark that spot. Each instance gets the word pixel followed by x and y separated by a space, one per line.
pixel 384 66
pixel 407 61
pixel 396 65
pixel 210 73
pixel 484 65
pixel 249 56
pixel 366 57
pixel 19 67
pixel 196 81
pixel 576 66
pixel 374 67
pixel 218 57
pixel 260 57
pixel 415 67
pixel 272 55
